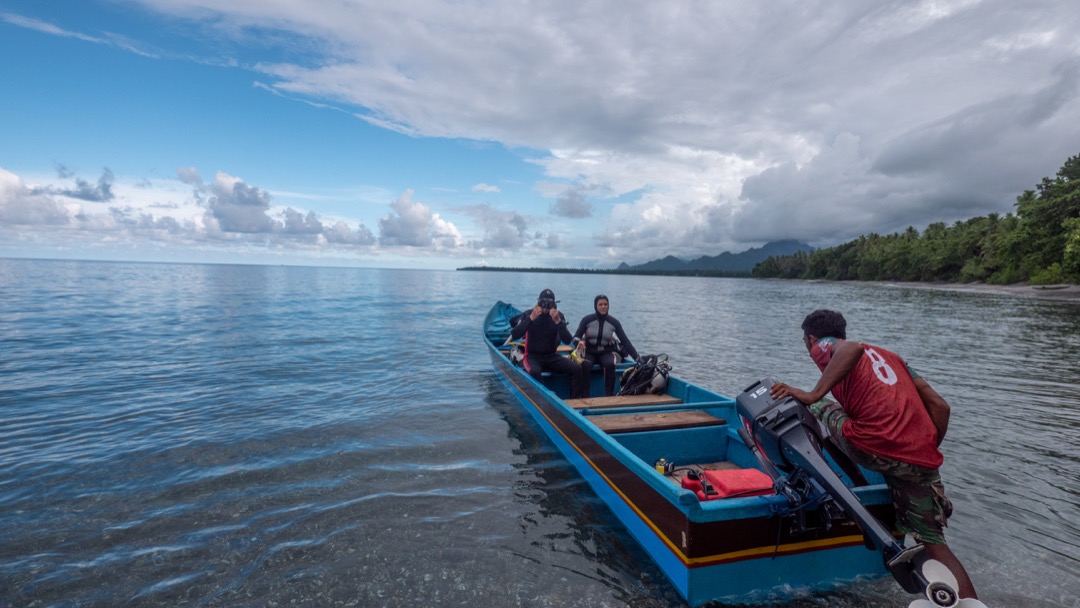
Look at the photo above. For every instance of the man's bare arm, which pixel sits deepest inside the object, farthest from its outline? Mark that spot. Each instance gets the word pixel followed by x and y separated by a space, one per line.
pixel 936 406
pixel 846 354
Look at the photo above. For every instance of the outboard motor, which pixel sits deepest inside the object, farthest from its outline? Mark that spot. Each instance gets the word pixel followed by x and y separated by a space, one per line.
pixel 787 440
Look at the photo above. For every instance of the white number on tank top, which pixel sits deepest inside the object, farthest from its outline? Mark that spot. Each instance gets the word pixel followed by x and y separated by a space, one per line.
pixel 881 368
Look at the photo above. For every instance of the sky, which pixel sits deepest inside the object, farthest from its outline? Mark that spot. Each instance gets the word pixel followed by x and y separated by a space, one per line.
pixel 525 133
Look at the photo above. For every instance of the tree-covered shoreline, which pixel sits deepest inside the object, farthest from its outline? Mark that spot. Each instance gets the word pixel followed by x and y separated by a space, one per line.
pixel 741 274
pixel 1039 245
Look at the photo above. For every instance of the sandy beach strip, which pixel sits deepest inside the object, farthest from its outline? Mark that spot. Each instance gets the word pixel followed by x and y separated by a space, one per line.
pixel 1055 292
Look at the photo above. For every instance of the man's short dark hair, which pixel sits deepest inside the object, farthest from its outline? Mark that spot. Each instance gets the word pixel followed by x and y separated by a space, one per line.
pixel 825 324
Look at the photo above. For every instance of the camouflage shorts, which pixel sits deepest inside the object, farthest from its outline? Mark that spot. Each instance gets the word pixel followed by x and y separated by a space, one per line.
pixel 922 509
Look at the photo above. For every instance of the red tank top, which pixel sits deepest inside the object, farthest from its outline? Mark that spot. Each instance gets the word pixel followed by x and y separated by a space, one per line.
pixel 886 416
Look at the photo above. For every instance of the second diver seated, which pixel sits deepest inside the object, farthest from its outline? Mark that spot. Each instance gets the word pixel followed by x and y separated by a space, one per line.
pixel 596 342
pixel 544 328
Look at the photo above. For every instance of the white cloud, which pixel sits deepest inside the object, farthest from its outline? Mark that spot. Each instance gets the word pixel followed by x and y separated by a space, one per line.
pixel 507 231
pixel 21 205
pixel 690 128
pixel 573 204
pixel 680 111
pixel 412 224
pixel 189 175
pixel 238 207
pixel 340 232
pixel 110 39
pixel 444 234
pixel 188 212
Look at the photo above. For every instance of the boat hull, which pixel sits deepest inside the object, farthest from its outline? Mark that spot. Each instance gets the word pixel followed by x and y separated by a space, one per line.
pixel 734 548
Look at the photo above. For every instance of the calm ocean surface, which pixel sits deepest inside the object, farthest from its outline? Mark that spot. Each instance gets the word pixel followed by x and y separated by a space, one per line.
pixel 200 435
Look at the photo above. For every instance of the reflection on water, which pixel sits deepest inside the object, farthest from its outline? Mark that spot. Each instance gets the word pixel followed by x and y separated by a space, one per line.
pixel 257 436
pixel 573 533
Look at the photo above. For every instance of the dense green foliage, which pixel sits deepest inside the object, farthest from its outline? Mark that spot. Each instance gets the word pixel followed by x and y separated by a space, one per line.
pixel 1040 244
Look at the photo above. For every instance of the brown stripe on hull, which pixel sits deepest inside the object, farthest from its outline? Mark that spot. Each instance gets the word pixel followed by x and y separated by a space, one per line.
pixel 696 544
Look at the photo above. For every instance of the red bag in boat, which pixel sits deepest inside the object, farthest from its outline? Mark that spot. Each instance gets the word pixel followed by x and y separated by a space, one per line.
pixel 730 483
pixel 739 482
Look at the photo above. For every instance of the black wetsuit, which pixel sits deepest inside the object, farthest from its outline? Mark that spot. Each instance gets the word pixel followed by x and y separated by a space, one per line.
pixel 542 338
pixel 598 332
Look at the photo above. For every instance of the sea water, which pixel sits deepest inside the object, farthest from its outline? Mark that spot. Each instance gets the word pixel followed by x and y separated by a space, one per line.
pixel 213 435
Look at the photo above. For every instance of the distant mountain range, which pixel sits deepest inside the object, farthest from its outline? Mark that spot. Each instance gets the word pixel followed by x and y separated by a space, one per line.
pixel 727 262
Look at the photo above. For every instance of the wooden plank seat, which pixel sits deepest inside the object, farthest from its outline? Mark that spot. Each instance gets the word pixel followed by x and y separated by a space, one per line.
pixel 632 423
pixel 621 401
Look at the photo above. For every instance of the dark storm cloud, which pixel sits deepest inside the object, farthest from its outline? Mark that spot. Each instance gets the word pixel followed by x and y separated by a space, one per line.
pixel 974 161
pixel 979 127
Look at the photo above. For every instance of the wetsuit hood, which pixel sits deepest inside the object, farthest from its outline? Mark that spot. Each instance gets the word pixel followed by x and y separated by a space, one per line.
pixel 596 308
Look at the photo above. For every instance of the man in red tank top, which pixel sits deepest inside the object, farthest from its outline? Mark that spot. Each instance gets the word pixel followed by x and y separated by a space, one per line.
pixel 887 419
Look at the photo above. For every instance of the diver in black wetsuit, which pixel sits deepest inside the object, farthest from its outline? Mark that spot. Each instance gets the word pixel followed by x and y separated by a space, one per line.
pixel 595 340
pixel 544 329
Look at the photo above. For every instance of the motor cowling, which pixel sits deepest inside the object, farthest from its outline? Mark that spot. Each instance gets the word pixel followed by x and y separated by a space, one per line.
pixel 769 421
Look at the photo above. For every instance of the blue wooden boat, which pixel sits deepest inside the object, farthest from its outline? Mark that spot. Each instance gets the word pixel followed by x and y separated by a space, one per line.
pixel 743 549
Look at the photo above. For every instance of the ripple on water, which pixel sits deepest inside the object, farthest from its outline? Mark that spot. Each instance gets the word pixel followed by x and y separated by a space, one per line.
pixel 223 436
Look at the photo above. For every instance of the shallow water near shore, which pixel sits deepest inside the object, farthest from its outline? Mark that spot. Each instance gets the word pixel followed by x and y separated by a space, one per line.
pixel 199 435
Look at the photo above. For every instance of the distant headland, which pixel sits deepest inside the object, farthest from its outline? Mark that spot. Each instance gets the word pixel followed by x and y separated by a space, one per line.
pixel 727 264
